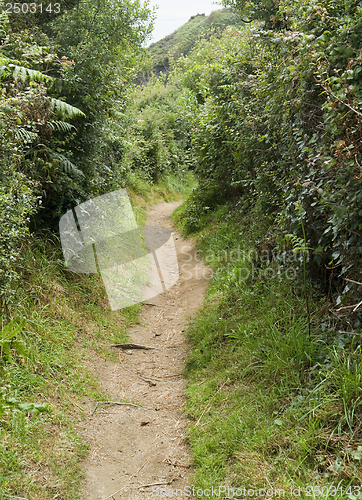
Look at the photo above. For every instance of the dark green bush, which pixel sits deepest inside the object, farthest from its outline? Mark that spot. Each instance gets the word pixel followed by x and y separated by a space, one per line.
pixel 278 124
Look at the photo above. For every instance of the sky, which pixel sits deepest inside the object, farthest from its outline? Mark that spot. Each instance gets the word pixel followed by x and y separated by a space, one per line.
pixel 173 14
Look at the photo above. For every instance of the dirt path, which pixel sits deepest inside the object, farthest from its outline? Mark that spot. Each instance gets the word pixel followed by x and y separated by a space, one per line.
pixel 132 447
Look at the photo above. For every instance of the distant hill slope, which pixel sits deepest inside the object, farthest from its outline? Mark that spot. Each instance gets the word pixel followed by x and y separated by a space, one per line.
pixel 184 38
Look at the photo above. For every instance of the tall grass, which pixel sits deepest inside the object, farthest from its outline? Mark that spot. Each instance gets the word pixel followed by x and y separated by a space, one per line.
pixel 66 321
pixel 272 402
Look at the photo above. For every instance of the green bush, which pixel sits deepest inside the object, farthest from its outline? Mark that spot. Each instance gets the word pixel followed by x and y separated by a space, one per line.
pixel 159 131
pixel 278 125
pixel 17 205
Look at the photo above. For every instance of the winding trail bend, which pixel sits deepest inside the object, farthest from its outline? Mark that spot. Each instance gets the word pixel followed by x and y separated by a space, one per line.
pixel 136 450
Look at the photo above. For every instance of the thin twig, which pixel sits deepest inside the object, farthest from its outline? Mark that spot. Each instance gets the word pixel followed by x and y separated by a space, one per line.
pixel 339 317
pixel 203 413
pixel 340 100
pixel 357 306
pixel 78 406
pixel 17 498
pixel 119 404
pixel 346 307
pixel 157 484
pixel 149 381
pixel 350 333
pixel 353 281
pixel 209 405
pixel 360 166
pixel 351 230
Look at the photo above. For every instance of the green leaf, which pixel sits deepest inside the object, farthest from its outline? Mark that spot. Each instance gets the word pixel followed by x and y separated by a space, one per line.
pixel 64 109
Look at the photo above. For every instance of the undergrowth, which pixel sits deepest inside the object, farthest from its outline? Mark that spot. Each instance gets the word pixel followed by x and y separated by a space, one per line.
pixel 273 407
pixel 67 325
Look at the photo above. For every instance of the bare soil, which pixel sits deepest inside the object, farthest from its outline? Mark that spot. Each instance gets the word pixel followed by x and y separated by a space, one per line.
pixel 136 449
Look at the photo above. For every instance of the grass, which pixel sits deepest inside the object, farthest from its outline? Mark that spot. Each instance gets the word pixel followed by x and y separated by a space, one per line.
pixel 169 188
pixel 271 406
pixel 68 325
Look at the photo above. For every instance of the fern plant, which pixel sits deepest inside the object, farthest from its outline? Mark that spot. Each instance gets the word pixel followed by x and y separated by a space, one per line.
pixel 23 74
pixel 25 136
pixel 301 245
pixel 9 67
pixel 64 109
pixel 68 166
pixel 61 126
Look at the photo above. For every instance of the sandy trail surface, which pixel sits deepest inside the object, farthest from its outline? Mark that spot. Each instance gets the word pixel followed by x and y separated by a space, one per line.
pixel 135 452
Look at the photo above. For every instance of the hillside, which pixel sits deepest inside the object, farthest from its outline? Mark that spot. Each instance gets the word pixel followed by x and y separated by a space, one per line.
pixel 184 38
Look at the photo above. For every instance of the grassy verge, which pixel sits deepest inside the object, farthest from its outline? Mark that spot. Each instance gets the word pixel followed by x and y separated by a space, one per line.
pixel 171 188
pixel 274 409
pixel 62 323
pixel 67 323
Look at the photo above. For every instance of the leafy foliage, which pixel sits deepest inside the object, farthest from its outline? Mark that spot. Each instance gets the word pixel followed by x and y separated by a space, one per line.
pixel 58 103
pixel 278 123
pixel 184 39
pixel 268 403
pixel 12 346
pixel 9 341
pixel 159 133
pixel 65 110
pixel 17 205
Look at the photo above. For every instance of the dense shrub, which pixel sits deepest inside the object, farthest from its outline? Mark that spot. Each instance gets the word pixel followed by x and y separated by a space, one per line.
pixel 278 124
pixel 159 130
pixel 17 204
pixel 65 82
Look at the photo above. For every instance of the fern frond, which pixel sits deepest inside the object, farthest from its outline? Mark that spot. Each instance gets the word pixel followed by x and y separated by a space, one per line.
pixel 68 166
pixel 25 135
pixel 22 73
pixel 298 244
pixel 65 109
pixel 61 126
